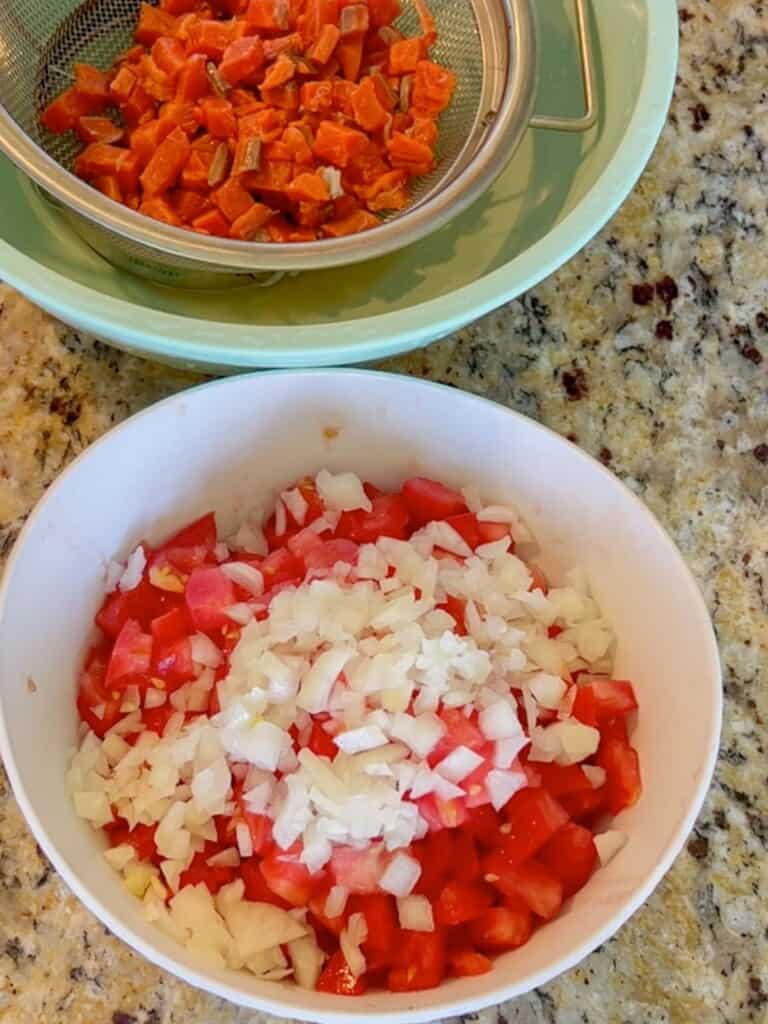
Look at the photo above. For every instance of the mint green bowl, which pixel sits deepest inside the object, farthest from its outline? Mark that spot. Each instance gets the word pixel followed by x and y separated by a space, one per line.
pixel 557 192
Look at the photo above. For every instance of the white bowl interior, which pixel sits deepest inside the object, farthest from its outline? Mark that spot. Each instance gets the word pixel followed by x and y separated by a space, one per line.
pixel 220 447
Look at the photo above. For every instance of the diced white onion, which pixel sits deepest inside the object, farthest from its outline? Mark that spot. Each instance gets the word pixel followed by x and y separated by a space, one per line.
pixel 335 901
pixel 342 491
pixel 244 840
pixel 296 504
pixel 134 570
pixel 154 698
pixel 204 651
pixel 608 844
pixel 401 875
pixel 460 763
pixel 502 785
pixel 415 914
pixel 421 733
pixel 356 741
pixel 350 940
pixel 229 858
pixel 246 576
pixel 499 721
pixel 595 774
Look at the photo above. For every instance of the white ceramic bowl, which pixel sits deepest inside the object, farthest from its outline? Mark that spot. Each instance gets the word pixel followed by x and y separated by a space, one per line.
pixel 221 445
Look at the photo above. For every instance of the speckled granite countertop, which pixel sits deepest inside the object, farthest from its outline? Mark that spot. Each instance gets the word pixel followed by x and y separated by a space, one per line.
pixel 650 349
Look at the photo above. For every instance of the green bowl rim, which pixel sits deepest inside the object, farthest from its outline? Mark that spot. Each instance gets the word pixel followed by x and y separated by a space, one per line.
pixel 186 339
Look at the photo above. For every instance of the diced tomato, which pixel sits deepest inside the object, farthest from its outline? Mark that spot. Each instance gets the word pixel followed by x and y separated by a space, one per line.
pixel 93 695
pixel 358 871
pixel 621 765
pixel 613 697
pixel 467 526
pixel 460 732
pixel 465 859
pixel 144 603
pixel 140 837
pixel 585 706
pixel 491 532
pixel 420 962
pixel 561 779
pixel 435 854
pixel 171 627
pixel 380 914
pixel 174 663
pixel 483 823
pixel 191 547
pixel 460 902
pixel 585 805
pixel 326 555
pixel 439 813
pixel 287 877
pixel 256 887
pixel 533 816
pixel 501 928
pixel 466 963
pixel 427 500
pixel 337 978
pixel 131 656
pixel 64 112
pixel 214 877
pixel 571 856
pixel 321 742
pixel 387 518
pixel 281 567
pixel 614 729
pixel 535 884
pixel 209 592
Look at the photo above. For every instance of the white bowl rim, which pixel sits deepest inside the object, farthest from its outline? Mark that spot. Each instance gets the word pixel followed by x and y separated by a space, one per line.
pixel 179 338
pixel 494 995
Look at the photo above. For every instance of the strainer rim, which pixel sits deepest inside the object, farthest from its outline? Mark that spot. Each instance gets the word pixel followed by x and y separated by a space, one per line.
pixel 504 135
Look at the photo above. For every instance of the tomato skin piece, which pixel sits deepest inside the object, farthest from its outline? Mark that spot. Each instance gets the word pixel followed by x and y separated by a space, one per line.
pixel 208 593
pixel 428 500
pixel 288 878
pixel 420 961
pixel 131 657
pixel 501 928
pixel 620 762
pixel 337 978
pixel 460 902
pixel 533 883
pixel 571 856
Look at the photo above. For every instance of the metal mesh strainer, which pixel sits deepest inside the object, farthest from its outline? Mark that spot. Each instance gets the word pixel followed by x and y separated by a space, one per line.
pixel 489 44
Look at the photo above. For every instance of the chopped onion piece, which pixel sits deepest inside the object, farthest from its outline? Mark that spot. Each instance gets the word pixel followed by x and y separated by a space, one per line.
pixel 595 775
pixel 401 875
pixel 229 858
pixel 356 741
pixel 415 914
pixel 134 570
pixel 420 733
pixel 499 721
pixel 307 959
pixel 352 937
pixel 342 491
pixel 608 844
pixel 502 785
pixel 460 763
pixel 296 504
pixel 246 576
pixel 335 901
pixel 244 840
pixel 204 651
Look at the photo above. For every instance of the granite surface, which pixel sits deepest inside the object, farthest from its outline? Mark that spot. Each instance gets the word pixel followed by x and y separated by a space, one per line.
pixel 650 349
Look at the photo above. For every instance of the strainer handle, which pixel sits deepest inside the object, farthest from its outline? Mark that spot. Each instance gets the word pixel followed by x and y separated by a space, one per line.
pixel 589 117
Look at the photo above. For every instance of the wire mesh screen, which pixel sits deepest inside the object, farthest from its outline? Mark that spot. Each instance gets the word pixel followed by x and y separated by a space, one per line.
pixel 43 39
